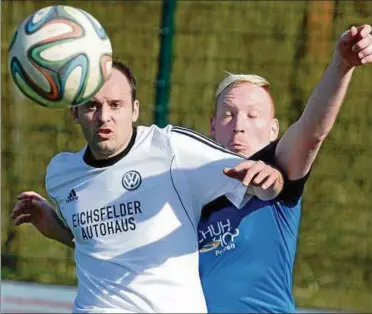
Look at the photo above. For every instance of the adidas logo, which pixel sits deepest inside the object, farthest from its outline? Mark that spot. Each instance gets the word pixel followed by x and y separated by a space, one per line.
pixel 72 196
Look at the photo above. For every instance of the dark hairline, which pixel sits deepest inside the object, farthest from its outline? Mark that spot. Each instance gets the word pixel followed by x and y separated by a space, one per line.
pixel 128 73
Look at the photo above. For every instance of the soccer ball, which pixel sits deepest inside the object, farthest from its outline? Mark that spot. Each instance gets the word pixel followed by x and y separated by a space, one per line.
pixel 60 56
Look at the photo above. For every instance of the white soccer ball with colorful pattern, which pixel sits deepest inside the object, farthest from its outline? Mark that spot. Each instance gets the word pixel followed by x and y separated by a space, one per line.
pixel 60 56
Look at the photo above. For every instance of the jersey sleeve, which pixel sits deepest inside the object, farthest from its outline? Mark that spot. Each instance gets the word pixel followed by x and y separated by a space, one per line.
pixel 202 161
pixel 293 190
pixel 51 179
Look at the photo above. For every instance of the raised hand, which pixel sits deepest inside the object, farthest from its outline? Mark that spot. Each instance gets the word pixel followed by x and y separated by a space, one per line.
pixel 355 46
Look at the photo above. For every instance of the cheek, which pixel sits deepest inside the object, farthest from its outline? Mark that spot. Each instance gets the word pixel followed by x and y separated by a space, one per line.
pixel 220 125
pixel 224 123
pixel 86 121
pixel 260 130
pixel 223 132
pixel 124 120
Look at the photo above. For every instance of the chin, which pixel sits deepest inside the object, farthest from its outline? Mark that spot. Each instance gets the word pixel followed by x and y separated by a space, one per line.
pixel 104 147
pixel 244 152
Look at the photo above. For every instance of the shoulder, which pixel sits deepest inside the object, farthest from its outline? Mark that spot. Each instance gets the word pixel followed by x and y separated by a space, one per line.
pixel 65 159
pixel 61 165
pixel 186 133
pixel 267 153
pixel 60 160
pixel 195 141
pixel 154 129
pixel 154 136
pixel 175 135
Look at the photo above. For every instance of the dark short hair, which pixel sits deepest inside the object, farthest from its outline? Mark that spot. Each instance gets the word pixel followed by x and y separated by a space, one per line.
pixel 128 73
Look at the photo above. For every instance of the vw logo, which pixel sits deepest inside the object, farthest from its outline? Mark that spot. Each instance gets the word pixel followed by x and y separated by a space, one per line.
pixel 132 180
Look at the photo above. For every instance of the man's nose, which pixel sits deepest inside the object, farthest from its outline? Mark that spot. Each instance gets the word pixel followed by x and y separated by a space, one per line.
pixel 104 113
pixel 239 126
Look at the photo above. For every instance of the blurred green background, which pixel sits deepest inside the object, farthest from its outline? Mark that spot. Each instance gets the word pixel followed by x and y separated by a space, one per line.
pixel 289 43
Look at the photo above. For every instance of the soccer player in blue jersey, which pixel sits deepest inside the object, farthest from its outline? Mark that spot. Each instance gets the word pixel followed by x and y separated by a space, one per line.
pixel 247 255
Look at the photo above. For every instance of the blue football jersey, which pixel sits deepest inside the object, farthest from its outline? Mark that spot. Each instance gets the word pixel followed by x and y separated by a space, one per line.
pixel 247 255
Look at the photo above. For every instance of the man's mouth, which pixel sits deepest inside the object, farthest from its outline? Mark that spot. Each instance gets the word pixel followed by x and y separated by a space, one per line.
pixel 104 133
pixel 236 146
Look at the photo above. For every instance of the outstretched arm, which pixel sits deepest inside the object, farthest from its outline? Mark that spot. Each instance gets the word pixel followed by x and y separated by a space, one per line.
pixel 299 146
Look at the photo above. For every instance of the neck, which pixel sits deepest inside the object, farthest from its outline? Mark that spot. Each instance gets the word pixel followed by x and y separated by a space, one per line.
pixel 100 155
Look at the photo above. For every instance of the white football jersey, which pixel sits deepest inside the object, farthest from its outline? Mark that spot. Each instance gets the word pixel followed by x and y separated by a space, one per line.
pixel 134 218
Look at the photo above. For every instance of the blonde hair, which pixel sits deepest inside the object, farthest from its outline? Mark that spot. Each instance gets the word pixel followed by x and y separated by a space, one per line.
pixel 231 79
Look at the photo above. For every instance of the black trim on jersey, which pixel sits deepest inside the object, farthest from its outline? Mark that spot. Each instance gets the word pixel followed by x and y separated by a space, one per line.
pixel 100 163
pixel 267 154
pixel 214 206
pixel 293 190
pixel 290 195
pixel 203 139
pixel 179 197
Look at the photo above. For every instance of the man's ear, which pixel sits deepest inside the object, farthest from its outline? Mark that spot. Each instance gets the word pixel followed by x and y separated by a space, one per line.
pixel 212 124
pixel 274 130
pixel 136 108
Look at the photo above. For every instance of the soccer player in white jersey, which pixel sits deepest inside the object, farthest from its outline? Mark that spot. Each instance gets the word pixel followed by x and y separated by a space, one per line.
pixel 131 201
pixel 247 254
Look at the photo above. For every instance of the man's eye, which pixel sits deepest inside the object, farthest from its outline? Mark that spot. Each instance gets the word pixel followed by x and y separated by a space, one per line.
pixel 91 105
pixel 254 114
pixel 115 105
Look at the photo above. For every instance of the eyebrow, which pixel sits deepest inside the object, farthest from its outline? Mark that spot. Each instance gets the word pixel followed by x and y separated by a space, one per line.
pixel 226 102
pixel 110 101
pixel 229 105
pixel 226 107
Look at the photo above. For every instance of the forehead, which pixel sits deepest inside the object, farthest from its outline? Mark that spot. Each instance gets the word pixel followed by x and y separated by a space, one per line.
pixel 117 87
pixel 245 94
